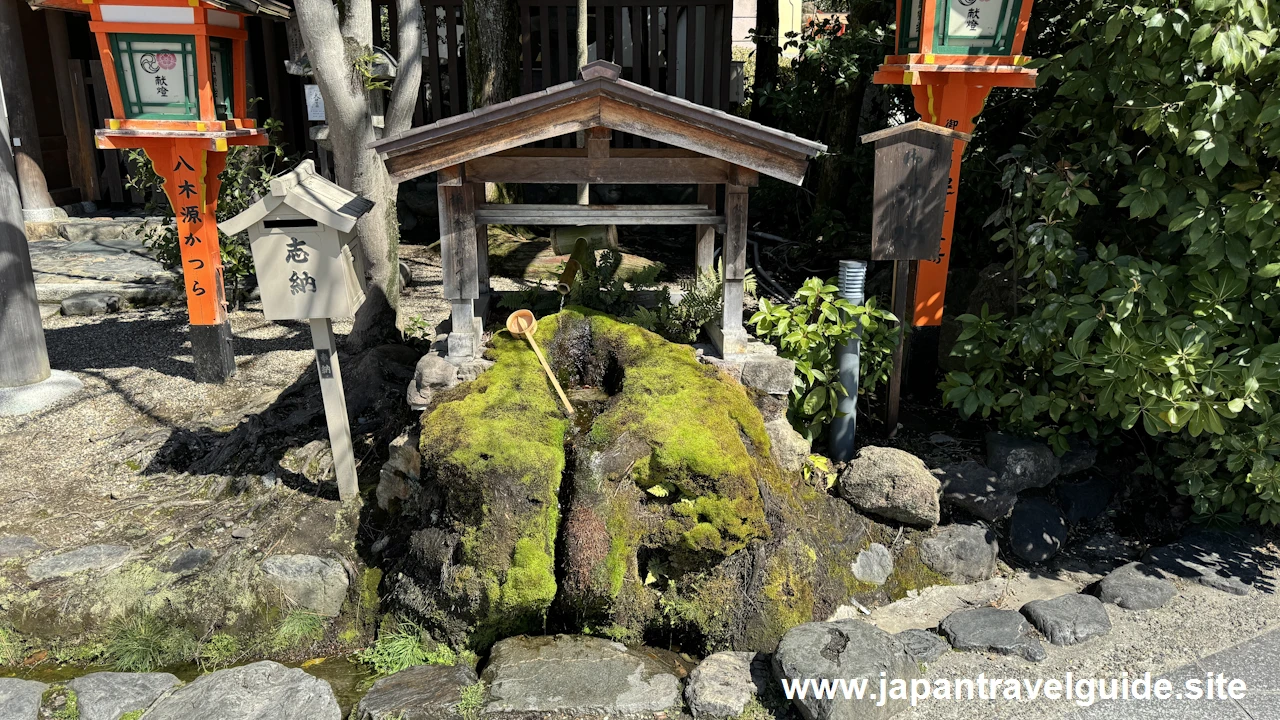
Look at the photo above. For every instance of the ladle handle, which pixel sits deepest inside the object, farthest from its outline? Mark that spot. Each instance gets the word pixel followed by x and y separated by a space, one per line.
pixel 538 351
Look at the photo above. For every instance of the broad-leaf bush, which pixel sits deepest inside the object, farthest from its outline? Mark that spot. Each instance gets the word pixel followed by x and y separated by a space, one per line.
pixel 1142 222
pixel 809 332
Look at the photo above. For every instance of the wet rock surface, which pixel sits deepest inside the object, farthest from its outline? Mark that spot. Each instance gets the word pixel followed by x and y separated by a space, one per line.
pixel 892 484
pixel 426 692
pixel 1068 619
pixel 1135 587
pixel 844 649
pixel 576 675
pixel 261 690
pixel 108 695
pixel 991 629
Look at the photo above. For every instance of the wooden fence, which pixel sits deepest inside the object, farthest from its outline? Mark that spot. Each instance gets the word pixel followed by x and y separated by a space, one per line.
pixel 681 48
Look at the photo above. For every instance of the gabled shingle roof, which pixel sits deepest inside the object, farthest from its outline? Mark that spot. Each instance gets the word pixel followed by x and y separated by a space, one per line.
pixel 308 193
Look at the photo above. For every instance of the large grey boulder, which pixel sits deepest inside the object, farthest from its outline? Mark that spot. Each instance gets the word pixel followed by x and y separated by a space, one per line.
pixel 108 695
pixel 977 489
pixel 988 629
pixel 893 484
pixel 1135 587
pixel 576 675
pixel 426 692
pixel 874 564
pixel 843 650
pixel 723 684
pixel 316 584
pixel 18 546
pixel 923 646
pixel 20 699
pixel 1080 456
pixel 1213 559
pixel 92 557
pixel 91 303
pixel 250 692
pixel 1037 531
pixel 963 553
pixel 1021 463
pixel 1069 619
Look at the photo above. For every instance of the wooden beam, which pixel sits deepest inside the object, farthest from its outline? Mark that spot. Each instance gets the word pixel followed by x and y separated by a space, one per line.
pixel 580 215
pixel 452 176
pixel 608 170
pixel 482 241
pixel 735 261
pixel 705 235
pixel 458 242
pixel 598 139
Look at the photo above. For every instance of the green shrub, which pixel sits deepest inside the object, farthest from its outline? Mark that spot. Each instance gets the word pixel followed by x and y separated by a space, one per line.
pixel 404 646
pixel 472 701
pixel 299 628
pixel 809 332
pixel 1143 226
pixel 219 651
pixel 144 643
pixel 701 303
pixel 12 647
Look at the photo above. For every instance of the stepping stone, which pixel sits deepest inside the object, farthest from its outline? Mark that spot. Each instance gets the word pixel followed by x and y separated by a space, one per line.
pixel 1135 587
pixel 189 560
pixel 1214 559
pixel 922 645
pixel 92 557
pixel 91 303
pixel 1069 619
pixel 1037 530
pixel 316 584
pixel 18 546
pixel 991 629
pixel 20 699
pixel 874 565
pixel 576 675
pixel 975 488
pixel 426 692
pixel 724 683
pixel 108 695
pixel 963 553
pixel 261 690
pixel 843 650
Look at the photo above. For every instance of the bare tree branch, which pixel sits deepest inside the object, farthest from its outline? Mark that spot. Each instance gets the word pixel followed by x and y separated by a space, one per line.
pixel 404 94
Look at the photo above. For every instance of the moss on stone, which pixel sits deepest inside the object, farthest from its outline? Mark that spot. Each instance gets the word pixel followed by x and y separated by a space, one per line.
pixel 370 579
pixel 910 573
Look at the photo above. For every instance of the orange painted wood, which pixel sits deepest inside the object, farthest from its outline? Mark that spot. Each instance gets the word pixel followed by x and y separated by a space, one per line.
pixel 204 79
pixel 240 86
pixel 1024 22
pixel 189 173
pixel 109 68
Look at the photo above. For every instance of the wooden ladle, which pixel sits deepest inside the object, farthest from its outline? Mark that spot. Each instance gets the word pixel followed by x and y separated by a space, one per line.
pixel 523 323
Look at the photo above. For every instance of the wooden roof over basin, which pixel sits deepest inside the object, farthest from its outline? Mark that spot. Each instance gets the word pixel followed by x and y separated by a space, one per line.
pixel 711 146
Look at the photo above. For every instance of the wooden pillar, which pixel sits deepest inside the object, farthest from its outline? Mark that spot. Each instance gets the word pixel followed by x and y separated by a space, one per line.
pixel 705 235
pixel 68 77
pixel 458 251
pixel 483 289
pixel 733 338
pixel 24 137
pixel 24 360
pixel 335 408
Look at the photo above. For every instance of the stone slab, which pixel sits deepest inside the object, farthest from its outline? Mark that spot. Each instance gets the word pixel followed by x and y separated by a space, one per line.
pixel 108 695
pixel 85 559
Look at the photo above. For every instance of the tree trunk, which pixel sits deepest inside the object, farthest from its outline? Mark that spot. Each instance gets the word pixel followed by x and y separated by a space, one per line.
pixel 493 51
pixel 766 37
pixel 333 46
pixel 22 119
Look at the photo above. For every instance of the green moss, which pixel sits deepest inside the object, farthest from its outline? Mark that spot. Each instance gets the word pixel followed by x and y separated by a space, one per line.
pixel 70 708
pixel 370 579
pixel 788 587
pixel 12 647
pixel 531 579
pixel 133 715
pixel 910 573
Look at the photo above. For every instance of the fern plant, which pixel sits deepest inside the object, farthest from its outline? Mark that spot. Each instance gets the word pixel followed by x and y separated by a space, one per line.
pixel 701 303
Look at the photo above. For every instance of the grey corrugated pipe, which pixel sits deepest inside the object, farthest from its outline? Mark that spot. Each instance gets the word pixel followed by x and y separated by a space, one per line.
pixel 852 282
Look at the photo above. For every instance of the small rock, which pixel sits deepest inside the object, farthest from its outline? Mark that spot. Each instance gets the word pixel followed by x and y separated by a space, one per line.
pixel 1021 463
pixel 433 372
pixel 108 695
pixel 189 561
pixel 576 675
pixel 723 684
pixel 1068 619
pixel 768 373
pixel 1213 559
pixel 92 557
pixel 941 439
pixel 989 629
pixel 406 275
pixel 426 692
pixel 91 303
pixel 250 692
pixel 317 584
pixel 847 650
pixel 471 368
pixel 313 461
pixel 874 565
pixel 1037 530
pixel 242 533
pixel 1135 587
pixel 402 469
pixel 18 546
pixel 923 646
pixel 974 487
pixel 269 480
pixel 1086 499
pixel 789 448
pixel 1080 456
pixel 963 553
pixel 1107 548
pixel 892 484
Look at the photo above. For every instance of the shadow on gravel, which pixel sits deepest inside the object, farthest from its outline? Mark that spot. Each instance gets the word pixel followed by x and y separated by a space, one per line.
pixel 1229 561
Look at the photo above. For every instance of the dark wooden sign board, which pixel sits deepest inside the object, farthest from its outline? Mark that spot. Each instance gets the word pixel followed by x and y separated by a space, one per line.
pixel 909 205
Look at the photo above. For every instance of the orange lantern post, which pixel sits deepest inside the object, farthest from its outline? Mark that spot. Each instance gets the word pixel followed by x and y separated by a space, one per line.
pixel 951 53
pixel 175 71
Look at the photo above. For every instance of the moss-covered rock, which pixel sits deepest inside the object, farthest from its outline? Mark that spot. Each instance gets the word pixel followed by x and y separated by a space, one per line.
pixel 675 515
